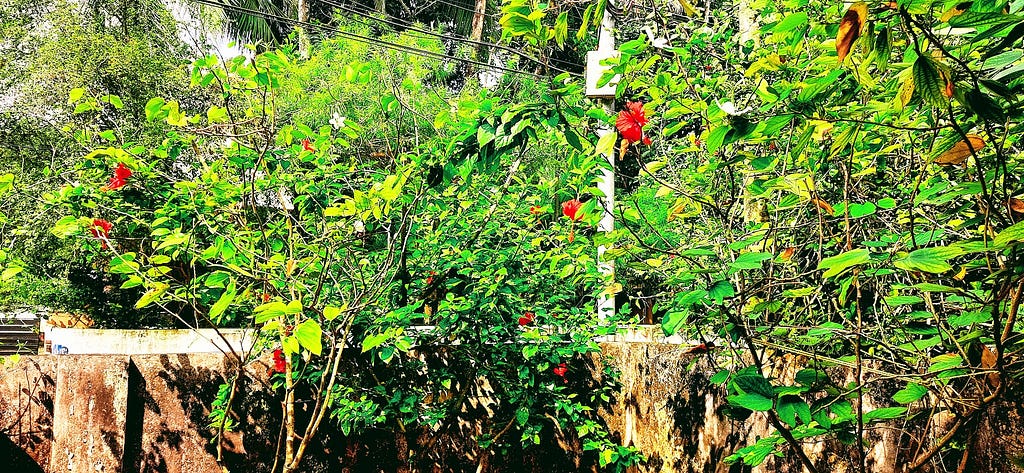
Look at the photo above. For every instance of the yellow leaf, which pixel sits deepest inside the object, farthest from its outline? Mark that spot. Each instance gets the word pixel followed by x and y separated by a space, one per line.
pixel 906 91
pixel 850 28
pixel 688 9
pixel 960 151
pixel 957 10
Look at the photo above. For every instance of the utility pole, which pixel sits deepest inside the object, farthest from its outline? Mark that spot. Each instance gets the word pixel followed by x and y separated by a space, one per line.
pixel 605 96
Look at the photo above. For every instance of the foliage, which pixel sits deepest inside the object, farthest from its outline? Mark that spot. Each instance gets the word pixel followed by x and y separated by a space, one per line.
pixel 256 212
pixel 113 49
pixel 859 212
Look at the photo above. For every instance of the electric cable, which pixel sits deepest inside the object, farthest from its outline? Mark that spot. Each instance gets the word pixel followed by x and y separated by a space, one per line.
pixel 396 22
pixel 457 6
pixel 361 38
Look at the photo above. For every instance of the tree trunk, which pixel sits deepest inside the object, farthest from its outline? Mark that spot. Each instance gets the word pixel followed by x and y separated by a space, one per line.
pixel 379 5
pixel 478 20
pixel 303 17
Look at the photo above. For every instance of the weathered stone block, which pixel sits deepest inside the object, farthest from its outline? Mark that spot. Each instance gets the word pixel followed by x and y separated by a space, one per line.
pixel 90 413
pixel 26 413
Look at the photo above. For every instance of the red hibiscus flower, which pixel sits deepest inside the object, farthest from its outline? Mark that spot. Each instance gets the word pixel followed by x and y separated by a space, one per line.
pixel 535 210
pixel 430 279
pixel 631 122
pixel 100 229
pixel 279 363
pixel 307 145
pixel 121 175
pixel 526 319
pixel 571 209
pixel 560 371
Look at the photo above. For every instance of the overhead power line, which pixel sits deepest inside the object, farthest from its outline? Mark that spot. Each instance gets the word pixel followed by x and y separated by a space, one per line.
pixel 361 38
pixel 395 22
pixel 459 7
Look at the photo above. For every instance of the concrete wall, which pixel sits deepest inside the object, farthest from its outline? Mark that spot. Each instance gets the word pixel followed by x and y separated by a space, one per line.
pixel 116 413
pixel 78 341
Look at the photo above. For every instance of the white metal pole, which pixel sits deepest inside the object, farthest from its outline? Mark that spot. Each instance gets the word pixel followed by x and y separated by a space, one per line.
pixel 606 301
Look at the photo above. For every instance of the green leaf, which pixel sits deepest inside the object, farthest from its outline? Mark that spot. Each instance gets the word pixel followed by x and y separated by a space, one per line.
pixel 835 265
pixel 984 106
pixel 886 203
pixel 750 260
pixel 84 107
pixel 113 100
pixel 928 260
pixel 75 95
pixel 754 402
pixel 884 413
pixel 720 377
pixel 928 83
pixel 930 287
pixel 606 145
pixel 862 210
pixel 155 291
pixel 1012 234
pixel 789 406
pixel 309 334
pixel 573 139
pixel 945 362
pixel 224 301
pixel 791 21
pixel 331 312
pixel 721 290
pixel 484 134
pixel 154 108
pixel 753 384
pixel 9 273
pixel 374 341
pixel 671 322
pixel 1016 33
pixel 522 416
pixel 6 183
pixel 716 137
pixel 974 19
pixel 910 393
pixel 273 309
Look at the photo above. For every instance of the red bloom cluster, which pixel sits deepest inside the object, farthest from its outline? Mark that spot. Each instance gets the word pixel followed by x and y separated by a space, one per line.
pixel 571 208
pixel 430 278
pixel 526 318
pixel 121 175
pixel 535 210
pixel 279 363
pixel 560 371
pixel 100 230
pixel 631 122
pixel 307 145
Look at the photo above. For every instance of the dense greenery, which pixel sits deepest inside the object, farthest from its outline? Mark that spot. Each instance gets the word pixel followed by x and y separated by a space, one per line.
pixel 826 197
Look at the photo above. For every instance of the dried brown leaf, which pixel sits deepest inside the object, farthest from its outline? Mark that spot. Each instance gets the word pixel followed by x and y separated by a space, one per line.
pixel 823 205
pixel 988 362
pixel 960 151
pixel 1016 205
pixel 850 28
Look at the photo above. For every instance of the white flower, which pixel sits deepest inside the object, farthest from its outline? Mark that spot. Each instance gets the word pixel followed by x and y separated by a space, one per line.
pixel 338 121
